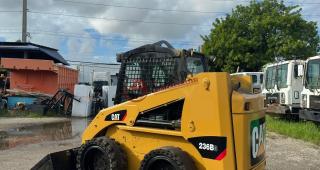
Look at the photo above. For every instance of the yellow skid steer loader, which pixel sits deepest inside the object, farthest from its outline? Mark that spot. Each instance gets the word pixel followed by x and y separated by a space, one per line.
pixel 171 114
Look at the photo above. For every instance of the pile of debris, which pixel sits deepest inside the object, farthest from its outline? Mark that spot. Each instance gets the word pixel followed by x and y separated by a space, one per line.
pixel 18 100
pixel 35 78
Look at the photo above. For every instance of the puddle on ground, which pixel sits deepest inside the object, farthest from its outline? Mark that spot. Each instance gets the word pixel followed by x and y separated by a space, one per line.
pixel 42 132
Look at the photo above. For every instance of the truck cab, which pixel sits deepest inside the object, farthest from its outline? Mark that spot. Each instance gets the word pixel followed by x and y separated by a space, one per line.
pixel 310 100
pixel 257 80
pixel 282 87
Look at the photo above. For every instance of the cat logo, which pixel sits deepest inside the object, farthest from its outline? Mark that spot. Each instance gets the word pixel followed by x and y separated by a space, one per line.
pixel 258 134
pixel 117 116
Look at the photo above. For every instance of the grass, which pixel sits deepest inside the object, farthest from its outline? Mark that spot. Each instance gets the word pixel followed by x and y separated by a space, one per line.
pixel 307 131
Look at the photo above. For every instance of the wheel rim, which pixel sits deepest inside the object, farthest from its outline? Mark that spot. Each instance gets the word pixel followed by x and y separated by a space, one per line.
pixel 95 158
pixel 161 163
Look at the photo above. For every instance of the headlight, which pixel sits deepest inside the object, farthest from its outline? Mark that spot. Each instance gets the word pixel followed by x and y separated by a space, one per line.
pixel 296 94
pixel 304 100
pixel 283 98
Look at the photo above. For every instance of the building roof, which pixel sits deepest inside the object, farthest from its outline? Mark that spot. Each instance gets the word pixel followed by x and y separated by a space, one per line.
pixel 33 51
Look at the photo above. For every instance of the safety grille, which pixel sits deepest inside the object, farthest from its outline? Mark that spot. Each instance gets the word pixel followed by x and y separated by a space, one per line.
pixel 273 98
pixel 315 102
pixel 145 74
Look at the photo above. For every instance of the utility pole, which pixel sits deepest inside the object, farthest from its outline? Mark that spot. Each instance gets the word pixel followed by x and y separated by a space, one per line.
pixel 24 21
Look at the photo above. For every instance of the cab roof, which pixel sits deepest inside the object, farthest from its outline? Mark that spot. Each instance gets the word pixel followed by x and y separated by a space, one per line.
pixel 249 73
pixel 155 47
pixel 313 58
pixel 284 62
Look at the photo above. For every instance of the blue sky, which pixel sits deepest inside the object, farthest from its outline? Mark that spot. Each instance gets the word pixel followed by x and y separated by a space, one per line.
pixel 96 30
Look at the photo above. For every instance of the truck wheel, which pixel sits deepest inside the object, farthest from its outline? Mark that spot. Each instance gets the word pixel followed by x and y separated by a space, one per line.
pixel 101 154
pixel 167 158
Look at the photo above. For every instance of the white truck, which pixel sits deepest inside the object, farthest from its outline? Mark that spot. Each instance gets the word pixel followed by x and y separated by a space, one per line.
pixel 105 86
pixel 310 100
pixel 257 80
pixel 282 87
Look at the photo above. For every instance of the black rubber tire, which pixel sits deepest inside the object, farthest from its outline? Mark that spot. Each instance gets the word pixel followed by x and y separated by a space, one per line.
pixel 101 154
pixel 167 158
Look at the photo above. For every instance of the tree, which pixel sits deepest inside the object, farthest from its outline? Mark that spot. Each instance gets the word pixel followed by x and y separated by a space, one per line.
pixel 254 35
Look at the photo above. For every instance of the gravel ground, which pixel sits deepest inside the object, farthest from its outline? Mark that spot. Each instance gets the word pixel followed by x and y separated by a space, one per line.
pixel 287 153
pixel 24 157
pixel 282 153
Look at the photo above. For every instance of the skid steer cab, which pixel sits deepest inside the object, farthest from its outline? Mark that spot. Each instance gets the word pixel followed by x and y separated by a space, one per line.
pixel 171 114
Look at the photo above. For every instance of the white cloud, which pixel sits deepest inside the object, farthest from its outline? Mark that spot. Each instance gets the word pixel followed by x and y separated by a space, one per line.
pixel 130 30
pixel 48 29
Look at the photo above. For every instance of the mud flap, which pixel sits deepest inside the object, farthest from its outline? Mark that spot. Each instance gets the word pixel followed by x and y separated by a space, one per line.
pixel 63 160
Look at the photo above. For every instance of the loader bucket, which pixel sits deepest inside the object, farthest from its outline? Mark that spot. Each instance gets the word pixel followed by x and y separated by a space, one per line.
pixel 63 160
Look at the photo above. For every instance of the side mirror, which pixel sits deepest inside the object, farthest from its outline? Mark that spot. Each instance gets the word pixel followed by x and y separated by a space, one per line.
pixel 300 70
pixel 212 59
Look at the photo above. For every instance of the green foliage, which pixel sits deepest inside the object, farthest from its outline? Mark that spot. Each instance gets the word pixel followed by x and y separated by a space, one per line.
pixel 307 131
pixel 254 35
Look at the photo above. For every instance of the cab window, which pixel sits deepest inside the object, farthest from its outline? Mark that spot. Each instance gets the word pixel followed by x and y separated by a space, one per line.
pixel 194 65
pixel 254 79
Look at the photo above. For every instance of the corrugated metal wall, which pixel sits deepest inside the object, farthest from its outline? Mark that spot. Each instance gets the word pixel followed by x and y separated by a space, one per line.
pixel 42 76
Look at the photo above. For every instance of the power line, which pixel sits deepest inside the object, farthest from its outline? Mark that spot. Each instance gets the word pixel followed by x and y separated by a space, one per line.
pixel 130 20
pixel 140 8
pixel 9 28
pixel 91 63
pixel 10 11
pixel 146 8
pixel 118 20
pixel 110 39
pixel 97 66
pixel 288 2
pixel 312 15
pixel 15 32
pixel 94 66
pixel 302 3
pixel 61 34
pixel 103 37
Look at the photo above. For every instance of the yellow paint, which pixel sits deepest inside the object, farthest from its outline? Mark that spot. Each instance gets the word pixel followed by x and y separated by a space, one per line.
pixel 211 108
pixel 242 83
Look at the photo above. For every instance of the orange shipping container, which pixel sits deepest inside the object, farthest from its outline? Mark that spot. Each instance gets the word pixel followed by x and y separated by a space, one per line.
pixel 42 76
